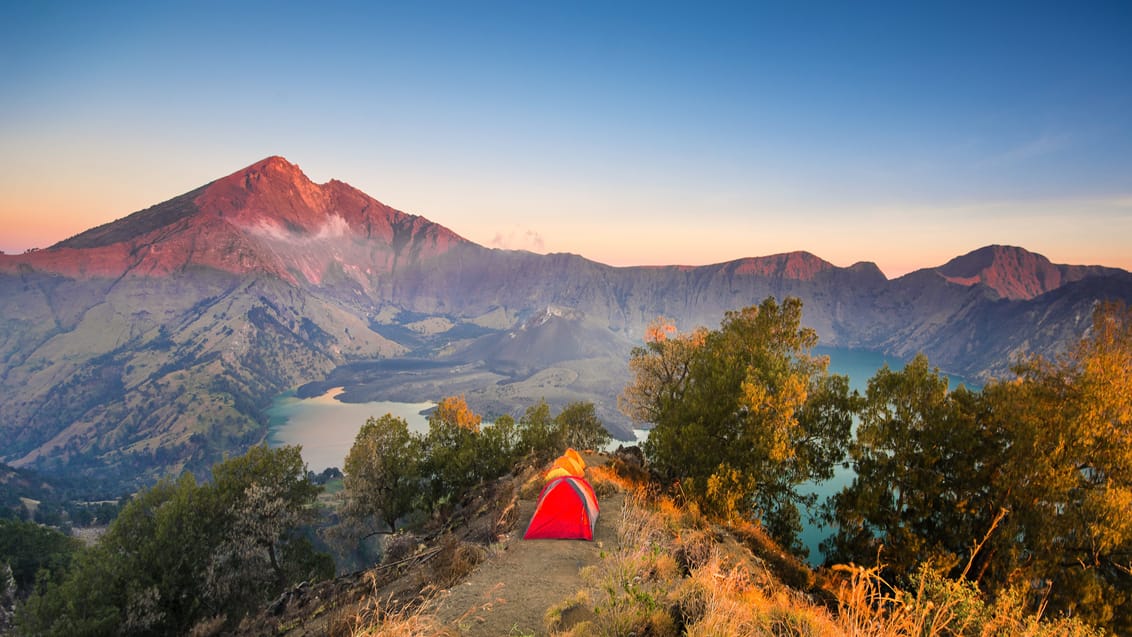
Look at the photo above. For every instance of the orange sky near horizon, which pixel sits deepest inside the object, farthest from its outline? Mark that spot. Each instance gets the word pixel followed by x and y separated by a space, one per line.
pixel 630 231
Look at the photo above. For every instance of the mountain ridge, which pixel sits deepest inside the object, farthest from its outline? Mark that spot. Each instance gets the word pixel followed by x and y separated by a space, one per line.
pixel 154 342
pixel 273 203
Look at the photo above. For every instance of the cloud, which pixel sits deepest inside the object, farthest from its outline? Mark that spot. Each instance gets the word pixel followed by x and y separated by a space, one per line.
pixel 334 228
pixel 518 238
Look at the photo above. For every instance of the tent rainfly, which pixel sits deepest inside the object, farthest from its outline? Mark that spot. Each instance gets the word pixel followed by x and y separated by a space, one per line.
pixel 566 466
pixel 567 510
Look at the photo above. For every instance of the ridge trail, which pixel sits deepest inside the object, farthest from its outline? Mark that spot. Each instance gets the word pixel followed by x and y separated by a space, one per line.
pixel 510 592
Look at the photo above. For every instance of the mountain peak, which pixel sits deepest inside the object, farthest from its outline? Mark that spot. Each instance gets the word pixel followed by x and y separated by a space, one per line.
pixel 798 265
pixel 275 162
pixel 1013 272
pixel 277 167
pixel 268 217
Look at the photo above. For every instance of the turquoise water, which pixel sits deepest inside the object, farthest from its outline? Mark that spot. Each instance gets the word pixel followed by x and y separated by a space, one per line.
pixel 326 427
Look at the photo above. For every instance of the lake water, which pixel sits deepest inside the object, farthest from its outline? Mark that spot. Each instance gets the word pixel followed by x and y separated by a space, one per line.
pixel 326 427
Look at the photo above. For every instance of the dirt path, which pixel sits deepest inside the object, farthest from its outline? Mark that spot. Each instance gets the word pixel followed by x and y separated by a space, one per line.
pixel 510 593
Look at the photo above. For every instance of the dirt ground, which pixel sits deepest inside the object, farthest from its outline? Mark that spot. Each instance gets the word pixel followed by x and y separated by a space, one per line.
pixel 509 593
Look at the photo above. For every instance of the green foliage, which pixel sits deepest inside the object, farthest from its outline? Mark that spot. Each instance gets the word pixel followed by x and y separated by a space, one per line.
pixel 742 415
pixel 451 451
pixel 181 552
pixel 918 473
pixel 580 428
pixel 545 437
pixel 538 434
pixel 33 551
pixel 498 446
pixel 390 472
pixel 1025 484
pixel 383 472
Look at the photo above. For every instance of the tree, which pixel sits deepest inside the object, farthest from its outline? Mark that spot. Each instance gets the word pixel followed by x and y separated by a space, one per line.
pixel 452 463
pixel 538 434
pixel 182 552
pixel 1025 486
pixel 742 415
pixel 454 411
pixel 1067 474
pixel 29 548
pixel 383 472
pixel 264 497
pixel 579 427
pixel 660 369
pixel 922 463
pixel 498 446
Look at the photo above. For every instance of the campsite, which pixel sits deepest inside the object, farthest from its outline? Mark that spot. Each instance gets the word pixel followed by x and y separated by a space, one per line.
pixel 526 577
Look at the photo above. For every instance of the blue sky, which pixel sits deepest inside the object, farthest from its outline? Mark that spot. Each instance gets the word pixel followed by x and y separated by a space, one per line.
pixel 902 133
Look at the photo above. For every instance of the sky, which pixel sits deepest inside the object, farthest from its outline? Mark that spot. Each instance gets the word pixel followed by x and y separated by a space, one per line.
pixel 632 133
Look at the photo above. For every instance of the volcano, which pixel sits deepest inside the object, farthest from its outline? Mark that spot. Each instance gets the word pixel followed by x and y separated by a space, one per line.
pixel 153 344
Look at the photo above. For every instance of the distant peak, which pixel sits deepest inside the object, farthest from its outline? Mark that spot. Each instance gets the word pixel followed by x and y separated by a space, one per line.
pixel 798 265
pixel 973 262
pixel 1012 272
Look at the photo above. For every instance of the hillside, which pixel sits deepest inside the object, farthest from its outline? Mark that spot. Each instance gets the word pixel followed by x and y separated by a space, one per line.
pixel 481 579
pixel 654 568
pixel 153 343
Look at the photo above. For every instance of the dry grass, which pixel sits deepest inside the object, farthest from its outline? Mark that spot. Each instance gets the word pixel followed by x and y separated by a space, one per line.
pixel 672 572
pixel 606 481
pixel 373 615
pixel 415 621
pixel 870 606
pixel 531 486
pixel 671 575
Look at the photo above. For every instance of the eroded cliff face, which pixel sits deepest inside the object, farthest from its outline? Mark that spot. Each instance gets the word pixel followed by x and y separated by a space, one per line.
pixel 152 343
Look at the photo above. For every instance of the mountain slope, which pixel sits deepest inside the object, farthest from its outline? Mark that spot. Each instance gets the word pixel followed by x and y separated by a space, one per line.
pixel 154 342
pixel 268 218
pixel 1015 273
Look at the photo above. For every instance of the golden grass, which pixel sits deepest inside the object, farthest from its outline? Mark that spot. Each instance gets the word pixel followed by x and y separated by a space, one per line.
pixel 672 572
pixel 372 616
pixel 870 606
pixel 409 623
pixel 669 575
pixel 606 481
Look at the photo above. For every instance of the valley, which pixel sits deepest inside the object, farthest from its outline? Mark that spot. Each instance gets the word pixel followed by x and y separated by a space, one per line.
pixel 154 344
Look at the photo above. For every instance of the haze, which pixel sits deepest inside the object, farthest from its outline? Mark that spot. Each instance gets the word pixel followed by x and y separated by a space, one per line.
pixel 899 133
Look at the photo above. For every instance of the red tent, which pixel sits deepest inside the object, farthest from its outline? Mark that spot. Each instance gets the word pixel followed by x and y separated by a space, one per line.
pixel 567 510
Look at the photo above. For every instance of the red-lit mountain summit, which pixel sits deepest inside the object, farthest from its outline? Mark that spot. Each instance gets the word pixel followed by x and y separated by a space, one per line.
pixel 268 217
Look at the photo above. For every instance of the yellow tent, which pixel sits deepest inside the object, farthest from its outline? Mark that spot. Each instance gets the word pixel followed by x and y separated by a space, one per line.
pixel 575 456
pixel 573 467
pixel 559 472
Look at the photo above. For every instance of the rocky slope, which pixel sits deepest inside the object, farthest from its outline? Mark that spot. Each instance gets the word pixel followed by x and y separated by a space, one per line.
pixel 154 342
